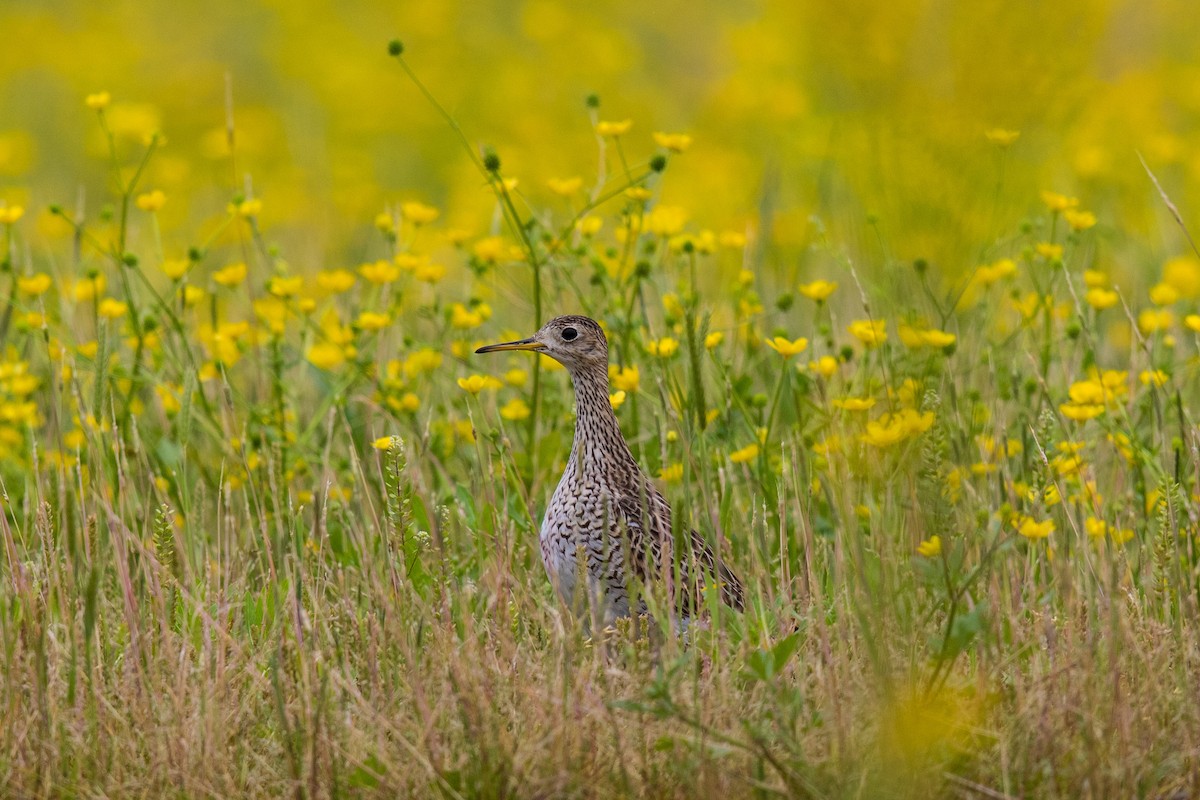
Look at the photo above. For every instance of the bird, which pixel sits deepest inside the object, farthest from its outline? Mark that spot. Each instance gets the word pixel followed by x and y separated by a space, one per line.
pixel 606 521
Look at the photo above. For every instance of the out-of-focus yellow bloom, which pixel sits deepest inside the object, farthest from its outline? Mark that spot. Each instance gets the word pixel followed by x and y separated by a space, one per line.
pixel 282 287
pixel 671 305
pixel 1048 251
pixel 384 222
pixel 663 348
pixel 34 285
pixel 914 338
pixel 1079 220
pixel 10 214
pixel 639 193
pixel 422 361
pixel 151 201
pixel 191 295
pixel 430 273
pixel 988 274
pixel 1163 294
pixel 671 474
pixel 1153 320
pixel 1094 279
pixel 98 100
pixel 732 239
pixel 465 318
pixel 825 366
pixel 380 272
pixel 818 290
pixel 1183 275
pixel 336 280
pixel 490 249
pixel 1030 528
pixel 787 348
pixel 515 410
pixel 231 275
pixel 616 399
pixel 627 379
pixel 1058 202
pixel 176 268
pixel 605 128
pixel 372 321
pixel 250 207
pixel 474 384
pixel 407 402
pixel 110 308
pixel 1156 378
pixel 326 355
pixel 590 226
pixel 516 377
pixel 854 403
pixel 747 453
pixel 1101 299
pixel 1001 136
pixel 386 443
pixel 1192 321
pixel 675 142
pixel 891 429
pixel 1081 412
pixel 419 213
pixel 88 288
pixel 565 187
pixel 931 547
pixel 871 332
pixel 713 339
pixel 665 220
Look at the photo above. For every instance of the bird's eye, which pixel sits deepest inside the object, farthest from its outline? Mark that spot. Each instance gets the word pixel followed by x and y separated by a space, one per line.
pixel 568 334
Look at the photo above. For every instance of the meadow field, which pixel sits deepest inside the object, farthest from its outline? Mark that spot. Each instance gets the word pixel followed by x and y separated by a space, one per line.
pixel 903 307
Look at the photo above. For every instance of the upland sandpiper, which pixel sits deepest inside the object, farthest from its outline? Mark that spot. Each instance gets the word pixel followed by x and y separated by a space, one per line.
pixel 605 510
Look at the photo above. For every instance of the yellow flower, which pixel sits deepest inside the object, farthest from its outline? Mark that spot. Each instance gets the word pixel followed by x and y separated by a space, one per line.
pixel 515 410
pixel 98 100
pixel 516 377
pixel 914 338
pixel 231 275
pixel 1094 279
pixel 1163 294
pixel 747 453
pixel 1153 320
pixel 191 295
pixel 490 249
pixel 663 348
pixel 1157 378
pixel 991 273
pixel 474 384
pixel 1081 412
pixel 1192 321
pixel 1101 299
pixel 285 287
pixel 1001 137
pixel 386 442
pixel 380 272
pixel 246 208
pixel 891 429
pixel 854 403
pixel 665 220
pixel 421 361
pixel 1183 275
pixel 638 193
pixel 35 284
pixel 671 474
pixel 589 226
pixel 86 289
pixel 465 318
pixel 713 339
pixel 565 187
pixel 418 213
pixel 326 355
pixel 384 222
pixel 869 332
pixel 1048 251
pixel 1079 220
pixel 10 214
pixel 151 201
pixel 336 280
pixel 732 239
pixel 818 290
pixel 1032 529
pixel 176 268
pixel 931 547
pixel 787 348
pixel 370 321
pixel 408 402
pixel 1058 202
pixel 675 142
pixel 825 366
pixel 430 273
pixel 614 128
pixel 627 379
pixel 616 399
pixel 112 309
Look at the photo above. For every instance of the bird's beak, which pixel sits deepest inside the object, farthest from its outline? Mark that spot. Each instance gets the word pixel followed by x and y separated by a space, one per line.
pixel 521 344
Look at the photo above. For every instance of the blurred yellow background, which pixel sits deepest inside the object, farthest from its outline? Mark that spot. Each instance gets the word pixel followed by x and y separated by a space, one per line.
pixel 870 117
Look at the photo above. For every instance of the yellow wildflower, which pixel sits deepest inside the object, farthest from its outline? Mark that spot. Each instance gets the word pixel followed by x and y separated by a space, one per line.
pixel 988 274
pixel 854 403
pixel 627 379
pixel 386 442
pixel 713 339
pixel 380 272
pixel 1183 275
pixel 665 220
pixel 1081 412
pixel 870 332
pixel 372 321
pixel 1192 321
pixel 285 287
pixel 931 547
pixel 818 290
pixel 430 273
pixel 515 410
pixel 231 275
pixel 1101 299
pixel 671 474
pixel 1032 529
pixel 251 207
pixel 663 348
pixel 914 337
pixel 1155 378
pixel 675 142
pixel 732 239
pixel 418 213
pixel 1079 220
pixel 35 284
pixel 1152 320
pixel 474 384
pixel 151 201
pixel 616 399
pixel 87 289
pixel 604 128
pixel 112 309
pixel 1001 136
pixel 1163 294
pixel 465 318
pixel 10 214
pixel 516 377
pixel 1048 251
pixel 565 187
pixel 1058 202
pixel 825 366
pixel 336 280
pixel 787 348
pixel 747 453
pixel 98 100
pixel 326 355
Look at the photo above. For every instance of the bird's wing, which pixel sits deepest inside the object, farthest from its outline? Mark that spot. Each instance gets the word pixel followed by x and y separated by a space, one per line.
pixel 646 516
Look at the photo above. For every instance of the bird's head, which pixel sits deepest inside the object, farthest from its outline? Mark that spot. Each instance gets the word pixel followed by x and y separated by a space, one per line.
pixel 576 342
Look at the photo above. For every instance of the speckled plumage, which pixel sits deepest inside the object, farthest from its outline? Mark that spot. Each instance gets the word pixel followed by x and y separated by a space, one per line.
pixel 605 512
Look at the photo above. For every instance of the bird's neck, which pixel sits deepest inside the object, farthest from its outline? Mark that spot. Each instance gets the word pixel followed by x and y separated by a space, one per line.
pixel 598 440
